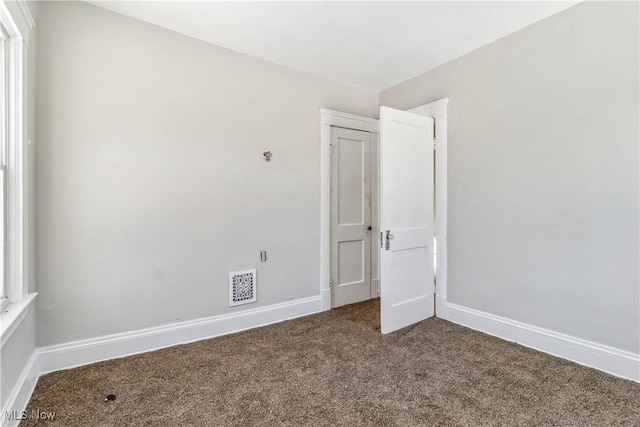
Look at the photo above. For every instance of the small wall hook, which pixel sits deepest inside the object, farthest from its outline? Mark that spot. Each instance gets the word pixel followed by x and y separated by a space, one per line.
pixel 267 155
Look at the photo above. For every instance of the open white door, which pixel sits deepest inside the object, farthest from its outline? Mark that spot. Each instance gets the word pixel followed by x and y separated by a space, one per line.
pixel 406 219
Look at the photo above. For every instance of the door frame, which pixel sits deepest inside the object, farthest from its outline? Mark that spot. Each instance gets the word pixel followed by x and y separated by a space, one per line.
pixel 330 118
pixel 438 111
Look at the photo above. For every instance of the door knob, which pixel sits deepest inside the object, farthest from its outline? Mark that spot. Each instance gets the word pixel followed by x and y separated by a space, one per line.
pixel 369 228
pixel 388 239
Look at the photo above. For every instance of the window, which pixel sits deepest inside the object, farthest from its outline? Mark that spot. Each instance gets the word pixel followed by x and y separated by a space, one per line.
pixel 13 155
pixel 4 136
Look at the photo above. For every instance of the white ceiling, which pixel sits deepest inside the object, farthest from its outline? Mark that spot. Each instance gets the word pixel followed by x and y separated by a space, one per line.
pixel 373 45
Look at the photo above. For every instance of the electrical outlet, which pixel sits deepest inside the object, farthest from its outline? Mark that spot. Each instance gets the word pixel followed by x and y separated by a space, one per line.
pixel 263 256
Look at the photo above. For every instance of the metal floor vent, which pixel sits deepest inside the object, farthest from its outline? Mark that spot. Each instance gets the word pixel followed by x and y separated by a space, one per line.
pixel 242 287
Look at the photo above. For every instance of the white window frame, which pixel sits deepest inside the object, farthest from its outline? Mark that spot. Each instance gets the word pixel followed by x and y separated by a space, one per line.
pixel 4 300
pixel 17 23
pixel 15 284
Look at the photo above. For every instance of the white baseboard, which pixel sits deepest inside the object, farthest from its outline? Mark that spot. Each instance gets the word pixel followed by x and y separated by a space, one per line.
pixel 612 360
pixel 19 398
pixel 78 353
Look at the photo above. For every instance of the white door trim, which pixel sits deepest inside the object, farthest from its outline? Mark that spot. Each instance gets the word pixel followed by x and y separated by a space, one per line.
pixel 438 111
pixel 330 118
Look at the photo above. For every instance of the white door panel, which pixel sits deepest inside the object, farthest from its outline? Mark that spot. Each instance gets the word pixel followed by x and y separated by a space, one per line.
pixel 406 211
pixel 350 216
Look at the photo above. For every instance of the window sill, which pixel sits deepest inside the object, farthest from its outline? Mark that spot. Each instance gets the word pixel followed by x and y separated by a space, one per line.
pixel 12 315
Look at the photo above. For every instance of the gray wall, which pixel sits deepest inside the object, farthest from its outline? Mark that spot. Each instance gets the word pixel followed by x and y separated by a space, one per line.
pixel 151 184
pixel 543 173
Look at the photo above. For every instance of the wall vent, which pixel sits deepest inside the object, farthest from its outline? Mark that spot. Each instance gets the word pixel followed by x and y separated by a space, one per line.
pixel 242 287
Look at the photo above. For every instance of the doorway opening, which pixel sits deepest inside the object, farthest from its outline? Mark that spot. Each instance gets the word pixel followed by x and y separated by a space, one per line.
pixel 354 266
pixel 347 212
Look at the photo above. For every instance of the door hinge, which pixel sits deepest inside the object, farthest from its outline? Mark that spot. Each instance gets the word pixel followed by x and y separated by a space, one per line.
pixel 331 149
pixel 381 240
pixel 434 143
pixel 331 282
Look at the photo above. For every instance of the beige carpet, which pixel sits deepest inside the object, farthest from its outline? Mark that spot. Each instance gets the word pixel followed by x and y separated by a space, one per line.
pixel 336 369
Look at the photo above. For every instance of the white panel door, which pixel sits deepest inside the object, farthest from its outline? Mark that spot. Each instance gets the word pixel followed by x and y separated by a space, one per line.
pixel 350 216
pixel 406 214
